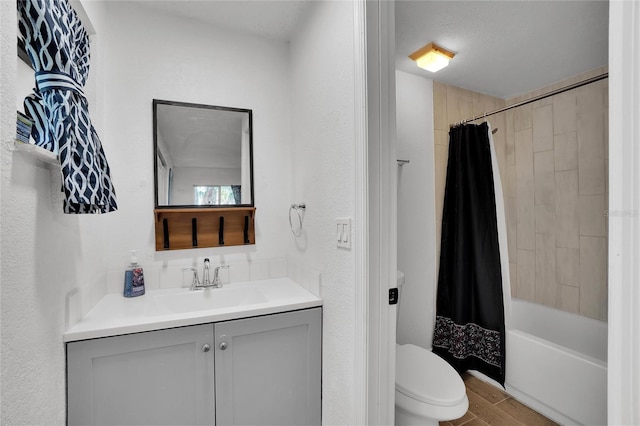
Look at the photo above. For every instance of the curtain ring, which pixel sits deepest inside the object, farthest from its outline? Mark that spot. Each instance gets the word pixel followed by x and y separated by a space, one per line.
pixel 297 208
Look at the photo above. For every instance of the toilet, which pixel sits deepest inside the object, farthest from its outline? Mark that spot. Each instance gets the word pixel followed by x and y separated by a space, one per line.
pixel 428 389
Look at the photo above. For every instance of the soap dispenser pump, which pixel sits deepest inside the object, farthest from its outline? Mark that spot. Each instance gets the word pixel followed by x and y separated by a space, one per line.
pixel 133 278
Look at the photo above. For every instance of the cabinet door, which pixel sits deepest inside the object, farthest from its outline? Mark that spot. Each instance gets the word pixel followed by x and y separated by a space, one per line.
pixel 268 370
pixel 156 378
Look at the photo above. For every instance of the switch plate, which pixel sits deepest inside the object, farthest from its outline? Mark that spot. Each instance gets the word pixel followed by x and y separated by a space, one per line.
pixel 343 232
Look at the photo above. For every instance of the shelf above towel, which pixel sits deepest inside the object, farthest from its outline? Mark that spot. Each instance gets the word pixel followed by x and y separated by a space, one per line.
pixel 37 152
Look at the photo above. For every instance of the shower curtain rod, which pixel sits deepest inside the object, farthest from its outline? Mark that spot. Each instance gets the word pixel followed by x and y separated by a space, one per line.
pixel 536 98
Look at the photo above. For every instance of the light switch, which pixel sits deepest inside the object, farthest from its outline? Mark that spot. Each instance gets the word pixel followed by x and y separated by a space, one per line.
pixel 344 232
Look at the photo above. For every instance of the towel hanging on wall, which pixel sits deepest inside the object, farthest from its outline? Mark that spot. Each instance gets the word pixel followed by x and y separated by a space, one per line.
pixel 58 47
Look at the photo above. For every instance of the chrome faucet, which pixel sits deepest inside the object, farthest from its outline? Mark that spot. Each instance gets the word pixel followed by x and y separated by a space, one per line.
pixel 206 281
pixel 216 277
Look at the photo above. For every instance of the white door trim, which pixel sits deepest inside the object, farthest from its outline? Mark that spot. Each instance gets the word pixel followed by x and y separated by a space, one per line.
pixel 624 213
pixel 380 264
pixel 361 221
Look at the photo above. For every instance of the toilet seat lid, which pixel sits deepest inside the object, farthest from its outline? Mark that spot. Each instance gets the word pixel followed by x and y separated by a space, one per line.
pixel 424 376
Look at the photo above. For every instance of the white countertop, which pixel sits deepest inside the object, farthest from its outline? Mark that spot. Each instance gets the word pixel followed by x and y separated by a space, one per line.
pixel 177 307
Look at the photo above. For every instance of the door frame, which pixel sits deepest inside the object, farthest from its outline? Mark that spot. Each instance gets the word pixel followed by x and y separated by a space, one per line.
pixel 624 214
pixel 375 211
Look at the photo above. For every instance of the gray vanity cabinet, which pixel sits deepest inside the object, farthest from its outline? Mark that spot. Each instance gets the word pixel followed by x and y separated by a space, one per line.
pixel 154 378
pixel 268 370
pixel 253 371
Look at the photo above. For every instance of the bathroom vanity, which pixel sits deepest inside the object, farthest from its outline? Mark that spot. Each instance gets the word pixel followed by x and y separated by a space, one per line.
pixel 255 362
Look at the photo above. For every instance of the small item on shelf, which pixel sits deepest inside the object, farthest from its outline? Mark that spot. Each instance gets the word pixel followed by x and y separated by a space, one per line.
pixel 23 128
pixel 133 278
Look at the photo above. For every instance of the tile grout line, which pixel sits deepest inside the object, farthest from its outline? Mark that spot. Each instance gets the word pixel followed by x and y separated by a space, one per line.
pixel 502 400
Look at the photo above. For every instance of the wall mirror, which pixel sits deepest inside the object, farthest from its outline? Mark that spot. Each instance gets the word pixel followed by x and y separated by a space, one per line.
pixel 203 155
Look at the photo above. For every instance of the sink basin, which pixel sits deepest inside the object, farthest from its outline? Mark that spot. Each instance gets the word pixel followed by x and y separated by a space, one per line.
pixel 115 315
pixel 214 298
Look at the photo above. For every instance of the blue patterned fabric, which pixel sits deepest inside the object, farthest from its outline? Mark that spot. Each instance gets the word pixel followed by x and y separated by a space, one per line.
pixel 58 46
pixel 34 108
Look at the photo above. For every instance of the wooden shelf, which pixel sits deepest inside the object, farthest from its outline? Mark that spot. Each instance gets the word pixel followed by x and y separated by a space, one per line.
pixel 175 227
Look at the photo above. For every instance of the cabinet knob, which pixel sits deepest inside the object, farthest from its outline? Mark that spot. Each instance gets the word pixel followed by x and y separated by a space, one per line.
pixel 223 346
pixel 206 347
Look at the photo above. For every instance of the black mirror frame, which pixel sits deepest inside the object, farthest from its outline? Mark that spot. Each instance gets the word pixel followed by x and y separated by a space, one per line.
pixel 157 102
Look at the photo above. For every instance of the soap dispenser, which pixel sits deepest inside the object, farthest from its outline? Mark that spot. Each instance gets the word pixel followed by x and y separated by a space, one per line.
pixel 133 278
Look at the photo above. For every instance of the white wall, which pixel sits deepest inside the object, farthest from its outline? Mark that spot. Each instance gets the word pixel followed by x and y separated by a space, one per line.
pixel 54 267
pixel 416 204
pixel 322 63
pixel 302 97
pixel 183 60
pixel 49 260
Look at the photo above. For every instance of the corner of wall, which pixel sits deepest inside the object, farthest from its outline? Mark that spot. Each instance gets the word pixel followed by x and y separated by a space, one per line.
pixel 416 208
pixel 50 263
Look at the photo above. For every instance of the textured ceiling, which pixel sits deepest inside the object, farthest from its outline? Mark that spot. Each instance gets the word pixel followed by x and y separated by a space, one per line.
pixel 504 48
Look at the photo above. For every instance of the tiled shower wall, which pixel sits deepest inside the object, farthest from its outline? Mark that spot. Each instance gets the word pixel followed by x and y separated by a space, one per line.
pixel 552 156
pixel 450 105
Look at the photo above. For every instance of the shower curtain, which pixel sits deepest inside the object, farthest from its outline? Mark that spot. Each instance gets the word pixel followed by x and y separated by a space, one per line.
pixel 470 317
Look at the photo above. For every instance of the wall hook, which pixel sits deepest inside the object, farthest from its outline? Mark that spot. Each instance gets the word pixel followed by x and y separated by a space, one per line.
pixel 221 231
pixel 194 232
pixel 165 233
pixel 246 230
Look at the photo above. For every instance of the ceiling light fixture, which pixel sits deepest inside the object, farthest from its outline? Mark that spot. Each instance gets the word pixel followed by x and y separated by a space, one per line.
pixel 432 57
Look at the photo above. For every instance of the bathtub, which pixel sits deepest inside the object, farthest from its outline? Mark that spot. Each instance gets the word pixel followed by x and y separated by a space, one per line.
pixel 557 363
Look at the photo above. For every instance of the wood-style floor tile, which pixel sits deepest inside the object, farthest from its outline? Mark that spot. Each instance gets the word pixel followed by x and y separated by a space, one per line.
pixel 524 413
pixel 484 389
pixel 491 406
pixel 489 413
pixel 468 416
pixel 476 422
